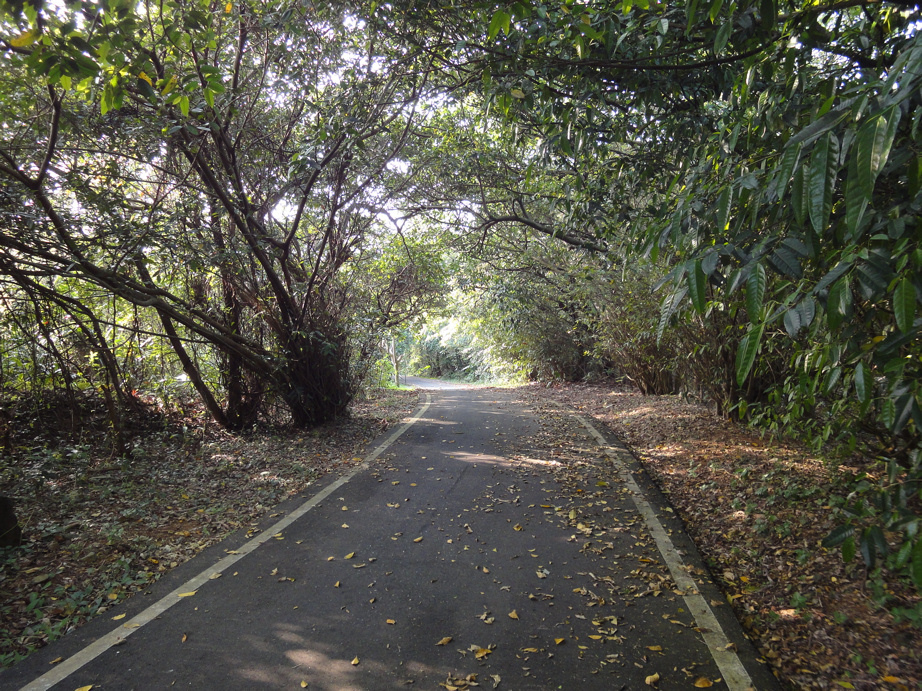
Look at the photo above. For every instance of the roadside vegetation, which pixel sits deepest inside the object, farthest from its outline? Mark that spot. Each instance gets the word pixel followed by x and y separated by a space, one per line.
pixel 257 212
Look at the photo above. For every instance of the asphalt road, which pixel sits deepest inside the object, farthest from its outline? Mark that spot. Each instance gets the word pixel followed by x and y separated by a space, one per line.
pixel 485 544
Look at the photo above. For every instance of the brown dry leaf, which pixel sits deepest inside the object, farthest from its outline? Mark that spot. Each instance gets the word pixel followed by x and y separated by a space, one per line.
pixel 518 526
pixel 184 638
pixel 496 680
pixel 703 683
pixel 513 614
pixel 445 641
pixel 479 652
pixel 541 574
pixel 655 648
pixel 56 661
pixel 651 680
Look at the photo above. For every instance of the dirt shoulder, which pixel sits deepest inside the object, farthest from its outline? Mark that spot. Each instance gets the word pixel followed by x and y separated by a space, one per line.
pixel 100 528
pixel 758 510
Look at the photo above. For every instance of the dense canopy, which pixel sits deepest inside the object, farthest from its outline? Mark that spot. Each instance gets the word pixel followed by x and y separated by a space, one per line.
pixel 269 202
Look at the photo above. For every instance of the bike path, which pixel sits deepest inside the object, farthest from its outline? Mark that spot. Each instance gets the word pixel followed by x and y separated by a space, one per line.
pixel 484 545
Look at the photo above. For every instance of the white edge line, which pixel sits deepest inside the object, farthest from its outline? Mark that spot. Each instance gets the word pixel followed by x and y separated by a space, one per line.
pixel 67 667
pixel 731 667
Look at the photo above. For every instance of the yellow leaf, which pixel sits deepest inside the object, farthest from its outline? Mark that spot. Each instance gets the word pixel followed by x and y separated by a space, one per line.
pixel 596 637
pixel 345 525
pixel 529 650
pixel 85 688
pixel 481 653
pixel 390 621
pixel 652 679
pixel 485 569
pixel 890 679
pixel 445 641
pixel 345 508
pixel 184 638
pixel 655 648
pixel 513 614
pixel 227 10
pixel 143 75
pixel 56 661
pixel 419 539
pixel 517 93
pixel 112 596
pixel 349 556
pixel 355 661
pixel 189 594
pixel 845 684
pixel 559 641
pixel 330 558
pixel 118 616
pixel 214 576
pixel 703 683
pixel 336 585
pixel 518 527
pixel 303 683
pixel 27 38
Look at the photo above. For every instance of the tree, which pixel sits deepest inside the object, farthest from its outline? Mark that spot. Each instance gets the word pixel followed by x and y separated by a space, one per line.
pixel 223 166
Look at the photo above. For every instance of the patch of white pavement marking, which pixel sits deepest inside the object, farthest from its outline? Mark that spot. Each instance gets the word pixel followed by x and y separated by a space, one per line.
pixel 731 667
pixel 67 667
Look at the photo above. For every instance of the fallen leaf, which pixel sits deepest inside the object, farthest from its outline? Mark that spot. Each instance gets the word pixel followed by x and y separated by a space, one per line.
pixel 480 653
pixel 303 684
pixel 390 621
pixel 703 683
pixel 336 585
pixel 355 661
pixel 345 525
pixel 529 650
pixel 345 508
pixel 518 527
pixel 349 556
pixel 85 688
pixel 445 641
pixel 56 661
pixel 189 594
pixel 215 576
pixel 559 641
pixel 184 638
pixel 513 614
pixel 655 648
pixel 118 616
pixel 652 679
pixel 541 574
pixel 496 680
pixel 419 539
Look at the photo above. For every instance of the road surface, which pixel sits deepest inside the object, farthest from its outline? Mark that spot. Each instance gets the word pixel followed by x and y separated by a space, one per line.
pixel 480 543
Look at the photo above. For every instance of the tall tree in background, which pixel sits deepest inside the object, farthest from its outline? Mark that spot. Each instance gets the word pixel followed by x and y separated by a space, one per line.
pixel 224 165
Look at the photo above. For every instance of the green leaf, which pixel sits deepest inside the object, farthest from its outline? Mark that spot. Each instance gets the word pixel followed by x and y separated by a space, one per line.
pixel 723 209
pixel 697 287
pixel 806 308
pixel 873 147
pixel 746 354
pixel 500 20
pixel 848 549
pixel 824 164
pixel 723 35
pixel 904 305
pixel 715 9
pixel 838 535
pixel 838 302
pixel 785 169
pixel 915 566
pixel 755 293
pixel 184 105
pixel 691 9
pixel 792 322
pixel 862 382
pixel 799 196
